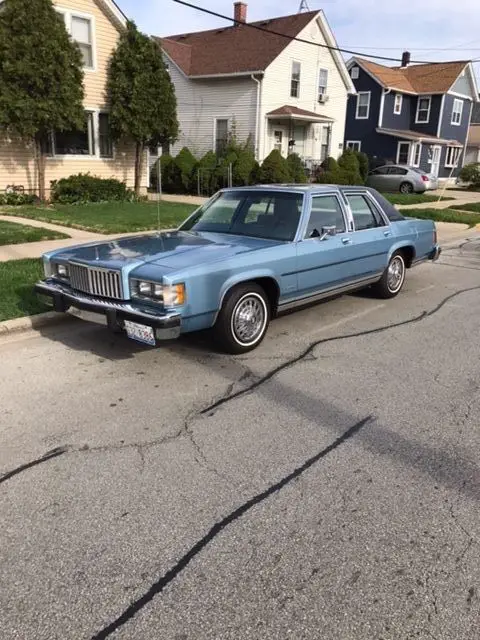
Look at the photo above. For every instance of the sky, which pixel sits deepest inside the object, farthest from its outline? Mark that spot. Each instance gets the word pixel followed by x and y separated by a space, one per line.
pixel 432 30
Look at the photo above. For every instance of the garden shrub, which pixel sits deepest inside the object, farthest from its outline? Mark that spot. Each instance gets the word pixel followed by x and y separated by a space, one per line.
pixel 17 199
pixel 296 168
pixel 471 173
pixel 83 188
pixel 274 169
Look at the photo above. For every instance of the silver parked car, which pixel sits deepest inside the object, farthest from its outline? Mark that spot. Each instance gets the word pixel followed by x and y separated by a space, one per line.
pixel 394 177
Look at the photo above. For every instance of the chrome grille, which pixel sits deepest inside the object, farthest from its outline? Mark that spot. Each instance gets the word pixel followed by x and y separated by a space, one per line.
pixel 98 282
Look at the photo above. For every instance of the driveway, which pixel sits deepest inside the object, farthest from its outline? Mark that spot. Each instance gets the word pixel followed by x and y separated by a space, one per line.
pixel 325 486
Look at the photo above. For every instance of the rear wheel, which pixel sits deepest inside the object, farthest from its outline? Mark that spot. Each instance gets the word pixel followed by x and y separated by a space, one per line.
pixel 406 187
pixel 243 320
pixel 393 277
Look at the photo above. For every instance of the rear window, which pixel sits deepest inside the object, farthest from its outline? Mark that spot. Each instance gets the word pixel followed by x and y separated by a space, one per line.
pixel 390 211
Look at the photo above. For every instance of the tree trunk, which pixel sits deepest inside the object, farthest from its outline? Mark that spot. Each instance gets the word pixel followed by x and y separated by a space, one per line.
pixel 139 160
pixel 40 164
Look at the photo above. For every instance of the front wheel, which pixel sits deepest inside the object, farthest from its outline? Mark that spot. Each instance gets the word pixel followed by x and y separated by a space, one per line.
pixel 393 278
pixel 243 320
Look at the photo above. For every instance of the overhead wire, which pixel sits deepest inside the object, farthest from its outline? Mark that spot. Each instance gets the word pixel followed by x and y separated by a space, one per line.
pixel 259 27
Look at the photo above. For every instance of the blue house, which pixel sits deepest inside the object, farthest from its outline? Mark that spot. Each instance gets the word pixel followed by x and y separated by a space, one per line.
pixel 417 115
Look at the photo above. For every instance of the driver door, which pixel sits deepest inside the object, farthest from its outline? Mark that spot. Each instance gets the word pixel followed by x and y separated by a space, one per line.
pixel 322 264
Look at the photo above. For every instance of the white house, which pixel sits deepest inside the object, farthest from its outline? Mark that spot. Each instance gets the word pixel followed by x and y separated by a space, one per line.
pixel 279 92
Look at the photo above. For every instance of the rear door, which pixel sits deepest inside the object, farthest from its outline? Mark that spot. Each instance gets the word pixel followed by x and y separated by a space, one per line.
pixel 372 237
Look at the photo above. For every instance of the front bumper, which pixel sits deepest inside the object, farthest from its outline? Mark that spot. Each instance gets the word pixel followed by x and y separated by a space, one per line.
pixel 435 253
pixel 166 324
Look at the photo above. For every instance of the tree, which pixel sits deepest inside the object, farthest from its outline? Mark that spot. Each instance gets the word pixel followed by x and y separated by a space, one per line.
pixel 296 168
pixel 41 77
pixel 143 107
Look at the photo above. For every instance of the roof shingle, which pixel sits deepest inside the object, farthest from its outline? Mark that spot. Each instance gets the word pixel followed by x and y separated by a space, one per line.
pixel 236 49
pixel 420 78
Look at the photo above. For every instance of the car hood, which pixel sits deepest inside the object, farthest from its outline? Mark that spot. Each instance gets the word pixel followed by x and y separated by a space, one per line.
pixel 173 251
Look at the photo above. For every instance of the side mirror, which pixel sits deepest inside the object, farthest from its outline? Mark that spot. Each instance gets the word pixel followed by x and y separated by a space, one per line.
pixel 328 231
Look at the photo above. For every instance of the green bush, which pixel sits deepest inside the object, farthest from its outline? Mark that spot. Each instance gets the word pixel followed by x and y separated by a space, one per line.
pixel 363 164
pixel 184 174
pixel 296 169
pixel 166 165
pixel 83 187
pixel 274 169
pixel 207 168
pixel 255 176
pixel 471 173
pixel 16 199
pixel 243 167
pixel 349 167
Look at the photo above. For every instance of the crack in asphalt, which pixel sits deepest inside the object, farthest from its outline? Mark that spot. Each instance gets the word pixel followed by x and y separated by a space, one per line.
pixel 228 396
pixel 158 586
pixel 309 350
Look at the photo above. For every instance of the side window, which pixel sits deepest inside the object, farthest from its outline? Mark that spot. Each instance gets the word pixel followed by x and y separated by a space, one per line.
pixel 379 172
pixel 364 214
pixel 326 212
pixel 397 171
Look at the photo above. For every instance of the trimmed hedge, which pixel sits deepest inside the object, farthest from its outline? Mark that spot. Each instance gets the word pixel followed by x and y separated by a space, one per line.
pixel 83 188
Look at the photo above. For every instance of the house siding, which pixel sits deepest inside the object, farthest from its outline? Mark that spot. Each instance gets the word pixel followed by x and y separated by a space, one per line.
pixel 16 159
pixel 276 91
pixel 452 131
pixel 462 85
pixel 365 129
pixel 431 126
pixel 402 120
pixel 200 102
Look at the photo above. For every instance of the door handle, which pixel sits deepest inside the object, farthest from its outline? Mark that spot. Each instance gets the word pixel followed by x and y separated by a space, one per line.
pixel 346 240
pixel 387 233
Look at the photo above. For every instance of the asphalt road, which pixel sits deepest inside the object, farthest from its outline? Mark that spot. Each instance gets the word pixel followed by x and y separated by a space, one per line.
pixel 326 486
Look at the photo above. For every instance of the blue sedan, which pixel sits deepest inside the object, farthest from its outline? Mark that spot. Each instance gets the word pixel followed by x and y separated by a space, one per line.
pixel 239 260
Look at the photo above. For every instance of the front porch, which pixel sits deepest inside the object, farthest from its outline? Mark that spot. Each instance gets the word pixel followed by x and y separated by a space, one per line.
pixel 293 130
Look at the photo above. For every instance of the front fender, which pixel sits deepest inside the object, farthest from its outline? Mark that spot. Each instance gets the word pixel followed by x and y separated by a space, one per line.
pixel 245 276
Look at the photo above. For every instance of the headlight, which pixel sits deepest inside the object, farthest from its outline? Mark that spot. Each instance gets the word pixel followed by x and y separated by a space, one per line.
pixel 61 270
pixel 170 295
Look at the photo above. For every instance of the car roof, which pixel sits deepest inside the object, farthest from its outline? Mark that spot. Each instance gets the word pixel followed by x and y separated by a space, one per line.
pixel 299 188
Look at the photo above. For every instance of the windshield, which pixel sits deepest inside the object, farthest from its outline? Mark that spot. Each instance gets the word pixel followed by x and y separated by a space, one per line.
pixel 273 215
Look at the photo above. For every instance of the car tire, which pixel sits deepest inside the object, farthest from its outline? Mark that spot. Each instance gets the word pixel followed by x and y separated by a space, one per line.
pixel 243 319
pixel 393 277
pixel 406 187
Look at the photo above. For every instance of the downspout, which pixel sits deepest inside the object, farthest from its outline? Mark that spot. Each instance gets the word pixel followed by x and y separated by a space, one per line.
pixel 385 92
pixel 257 117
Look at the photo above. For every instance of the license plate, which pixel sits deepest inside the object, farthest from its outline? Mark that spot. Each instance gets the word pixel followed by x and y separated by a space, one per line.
pixel 140 332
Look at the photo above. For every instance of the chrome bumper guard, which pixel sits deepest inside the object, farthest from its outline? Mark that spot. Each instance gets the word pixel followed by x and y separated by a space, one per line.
pixel 435 253
pixel 167 325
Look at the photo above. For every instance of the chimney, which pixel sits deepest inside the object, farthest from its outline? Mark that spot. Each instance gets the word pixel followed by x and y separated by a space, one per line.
pixel 240 12
pixel 405 59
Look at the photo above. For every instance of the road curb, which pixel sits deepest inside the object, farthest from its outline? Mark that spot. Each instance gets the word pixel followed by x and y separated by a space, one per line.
pixel 32 323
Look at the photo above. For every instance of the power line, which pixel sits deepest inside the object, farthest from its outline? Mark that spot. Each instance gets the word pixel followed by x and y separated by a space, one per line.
pixel 293 38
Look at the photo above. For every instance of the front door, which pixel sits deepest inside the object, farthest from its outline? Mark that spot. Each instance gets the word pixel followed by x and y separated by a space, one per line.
pixel 322 265
pixel 436 153
pixel 280 140
pixel 299 137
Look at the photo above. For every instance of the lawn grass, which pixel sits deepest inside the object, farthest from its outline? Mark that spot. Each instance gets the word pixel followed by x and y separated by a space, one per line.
pixel 411 198
pixel 14 233
pixel 109 217
pixel 472 206
pixel 17 297
pixel 443 215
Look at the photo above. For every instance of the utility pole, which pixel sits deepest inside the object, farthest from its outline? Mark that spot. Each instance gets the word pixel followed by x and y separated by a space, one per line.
pixel 303 6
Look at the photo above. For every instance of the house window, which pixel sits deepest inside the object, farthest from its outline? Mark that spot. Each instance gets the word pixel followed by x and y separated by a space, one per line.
pixel 322 83
pixel 355 145
pixel 397 107
pixel 80 28
pixel 403 152
pixel 457 112
pixel 423 110
pixel 221 135
pixel 77 142
pixel 416 153
pixel 451 157
pixel 295 83
pixel 363 105
pixel 354 73
pixel 104 136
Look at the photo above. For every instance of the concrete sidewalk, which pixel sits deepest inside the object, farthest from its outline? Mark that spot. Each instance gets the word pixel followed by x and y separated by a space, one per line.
pixel 460 197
